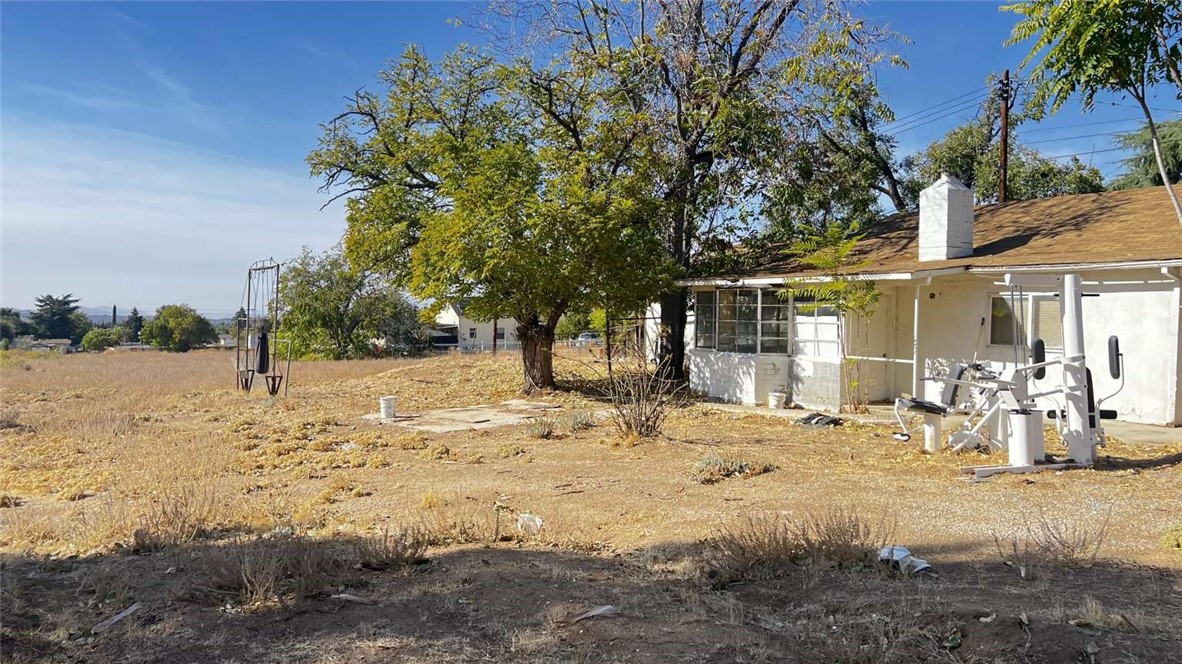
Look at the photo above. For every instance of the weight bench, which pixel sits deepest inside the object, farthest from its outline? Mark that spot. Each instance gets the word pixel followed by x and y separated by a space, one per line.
pixel 946 405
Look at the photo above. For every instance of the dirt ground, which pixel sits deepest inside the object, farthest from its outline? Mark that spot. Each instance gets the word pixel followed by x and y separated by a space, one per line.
pixel 146 479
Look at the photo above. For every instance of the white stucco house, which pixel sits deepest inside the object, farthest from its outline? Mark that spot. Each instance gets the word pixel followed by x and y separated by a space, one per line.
pixel 467 334
pixel 941 275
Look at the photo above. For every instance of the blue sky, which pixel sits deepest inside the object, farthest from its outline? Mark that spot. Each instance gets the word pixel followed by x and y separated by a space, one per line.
pixel 152 151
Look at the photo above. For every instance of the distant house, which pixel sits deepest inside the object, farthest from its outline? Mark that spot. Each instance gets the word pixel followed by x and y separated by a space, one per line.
pixel 458 331
pixel 942 274
pixel 227 341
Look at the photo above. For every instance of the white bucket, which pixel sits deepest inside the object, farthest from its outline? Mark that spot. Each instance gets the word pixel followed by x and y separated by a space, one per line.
pixel 776 400
pixel 1025 443
pixel 387 404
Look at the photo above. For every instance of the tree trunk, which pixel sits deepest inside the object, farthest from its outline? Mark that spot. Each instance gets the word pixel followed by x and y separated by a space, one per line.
pixel 537 355
pixel 671 345
pixel 1161 166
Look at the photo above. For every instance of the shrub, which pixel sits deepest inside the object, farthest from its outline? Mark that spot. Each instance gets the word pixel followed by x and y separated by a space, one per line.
pixel 438 452
pixel 580 420
pixel 385 549
pixel 1173 538
pixel 101 338
pixel 771 545
pixel 508 451
pixel 715 468
pixel 641 395
pixel 542 427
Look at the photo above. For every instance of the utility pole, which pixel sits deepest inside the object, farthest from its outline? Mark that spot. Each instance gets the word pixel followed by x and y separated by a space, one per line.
pixel 114 317
pixel 1005 137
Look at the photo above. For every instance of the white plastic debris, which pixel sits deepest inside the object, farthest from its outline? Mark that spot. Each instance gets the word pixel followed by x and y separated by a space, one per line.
pixel 605 611
pixel 900 557
pixel 110 622
pixel 352 598
pixel 530 524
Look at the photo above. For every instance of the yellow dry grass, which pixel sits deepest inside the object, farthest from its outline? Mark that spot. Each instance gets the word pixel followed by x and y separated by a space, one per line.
pixel 110 444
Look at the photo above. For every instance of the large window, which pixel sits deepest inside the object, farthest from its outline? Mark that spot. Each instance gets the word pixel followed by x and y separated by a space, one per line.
pixel 775 322
pixel 815 330
pixel 705 318
pixel 1021 320
pixel 746 320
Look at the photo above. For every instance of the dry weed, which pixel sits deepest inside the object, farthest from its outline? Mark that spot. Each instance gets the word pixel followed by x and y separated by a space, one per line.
pixel 542 428
pixel 769 546
pixel 508 451
pixel 715 468
pixel 385 549
pixel 266 570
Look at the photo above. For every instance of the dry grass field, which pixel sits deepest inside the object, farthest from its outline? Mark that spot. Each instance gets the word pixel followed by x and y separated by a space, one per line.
pixel 245 528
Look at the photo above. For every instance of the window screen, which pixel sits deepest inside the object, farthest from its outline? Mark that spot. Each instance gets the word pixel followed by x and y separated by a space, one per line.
pixel 500 334
pixel 471 333
pixel 1047 322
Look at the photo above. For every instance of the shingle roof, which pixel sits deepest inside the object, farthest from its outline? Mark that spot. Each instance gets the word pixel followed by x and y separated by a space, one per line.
pixel 1108 227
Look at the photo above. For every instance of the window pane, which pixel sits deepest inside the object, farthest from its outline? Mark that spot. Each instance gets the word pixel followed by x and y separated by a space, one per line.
pixel 726 305
pixel 1003 323
pixel 704 319
pixel 776 330
pixel 767 345
pixel 747 302
pixel 828 349
pixel 746 337
pixel 803 347
pixel 726 342
pixel 1047 323
pixel 827 331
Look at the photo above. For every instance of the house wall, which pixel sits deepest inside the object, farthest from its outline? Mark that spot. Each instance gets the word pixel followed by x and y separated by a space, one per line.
pixel 484 334
pixel 1140 307
pixel 747 378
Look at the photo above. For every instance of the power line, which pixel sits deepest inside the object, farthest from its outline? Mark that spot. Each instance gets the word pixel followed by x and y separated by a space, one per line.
pixel 971 105
pixel 1138 107
pixel 1082 124
pixel 898 125
pixel 1080 154
pixel 943 103
pixel 1071 138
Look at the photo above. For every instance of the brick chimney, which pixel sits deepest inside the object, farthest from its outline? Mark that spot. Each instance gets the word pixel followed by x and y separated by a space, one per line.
pixel 945 220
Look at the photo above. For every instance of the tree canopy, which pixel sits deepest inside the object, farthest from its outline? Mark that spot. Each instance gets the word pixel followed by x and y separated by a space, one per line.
pixel 178 328
pixel 1140 170
pixel 332 309
pixel 515 189
pixel 59 318
pixel 133 325
pixel 101 338
pixel 1085 47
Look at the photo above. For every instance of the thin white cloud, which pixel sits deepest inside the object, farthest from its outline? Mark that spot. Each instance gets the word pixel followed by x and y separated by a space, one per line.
pixel 91 99
pixel 122 218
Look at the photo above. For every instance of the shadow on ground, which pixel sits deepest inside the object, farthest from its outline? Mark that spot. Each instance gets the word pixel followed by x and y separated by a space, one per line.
pixel 507 603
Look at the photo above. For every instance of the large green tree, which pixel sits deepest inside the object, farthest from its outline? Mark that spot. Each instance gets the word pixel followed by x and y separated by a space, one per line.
pixel 333 309
pixel 1141 170
pixel 178 328
pixel 59 318
pixel 721 83
pixel 1086 47
pixel 516 189
pixel 133 325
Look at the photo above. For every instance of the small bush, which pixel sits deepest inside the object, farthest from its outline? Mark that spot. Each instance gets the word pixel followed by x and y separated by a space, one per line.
pixel 177 516
pixel 508 451
pixel 413 441
pixel 642 396
pixel 1068 543
pixel 438 452
pixel 580 420
pixel 9 501
pixel 542 427
pixel 257 571
pixel 769 546
pixel 431 500
pixel 10 419
pixel 385 549
pixel 715 468
pixel 1173 538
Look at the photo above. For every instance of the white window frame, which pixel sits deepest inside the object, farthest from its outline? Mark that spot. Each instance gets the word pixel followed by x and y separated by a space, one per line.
pixel 471 333
pixel 1029 304
pixel 816 325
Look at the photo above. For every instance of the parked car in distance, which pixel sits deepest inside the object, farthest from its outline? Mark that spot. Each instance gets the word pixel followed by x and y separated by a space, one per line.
pixel 587 339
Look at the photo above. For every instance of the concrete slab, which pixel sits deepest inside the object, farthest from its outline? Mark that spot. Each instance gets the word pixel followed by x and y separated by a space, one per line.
pixel 1129 432
pixel 485 416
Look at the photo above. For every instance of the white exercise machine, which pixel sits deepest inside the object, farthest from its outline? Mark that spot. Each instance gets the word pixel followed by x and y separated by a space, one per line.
pixel 1007 401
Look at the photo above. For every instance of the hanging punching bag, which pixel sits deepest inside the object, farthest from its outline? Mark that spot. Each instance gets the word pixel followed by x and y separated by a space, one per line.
pixel 264 354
